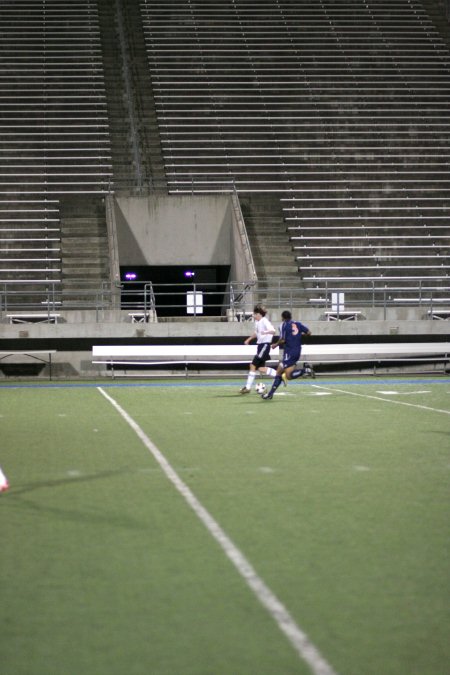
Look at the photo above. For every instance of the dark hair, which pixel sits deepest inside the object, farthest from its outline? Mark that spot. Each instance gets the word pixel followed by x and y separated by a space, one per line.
pixel 259 309
pixel 286 315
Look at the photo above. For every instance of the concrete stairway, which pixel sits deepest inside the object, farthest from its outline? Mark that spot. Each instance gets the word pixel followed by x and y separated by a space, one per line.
pixel 135 142
pixel 84 245
pixel 269 241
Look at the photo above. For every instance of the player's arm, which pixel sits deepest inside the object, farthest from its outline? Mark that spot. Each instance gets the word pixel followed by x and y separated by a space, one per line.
pixel 278 343
pixel 304 329
pixel 250 338
pixel 269 329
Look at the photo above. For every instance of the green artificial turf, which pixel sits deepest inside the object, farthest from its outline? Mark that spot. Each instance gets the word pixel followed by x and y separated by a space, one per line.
pixel 336 493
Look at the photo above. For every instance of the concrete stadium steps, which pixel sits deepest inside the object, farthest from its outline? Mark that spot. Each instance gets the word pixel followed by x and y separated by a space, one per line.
pixel 135 141
pixel 343 106
pixel 269 241
pixel 84 242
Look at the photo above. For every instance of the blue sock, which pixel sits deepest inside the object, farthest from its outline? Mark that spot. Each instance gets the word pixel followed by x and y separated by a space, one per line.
pixel 297 373
pixel 276 383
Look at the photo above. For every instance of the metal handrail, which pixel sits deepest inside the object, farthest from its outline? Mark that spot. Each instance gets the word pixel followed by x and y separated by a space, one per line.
pixel 218 299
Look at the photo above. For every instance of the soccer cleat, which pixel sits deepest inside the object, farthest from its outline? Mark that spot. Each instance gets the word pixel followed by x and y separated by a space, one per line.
pixel 309 371
pixel 284 378
pixel 267 396
pixel 244 390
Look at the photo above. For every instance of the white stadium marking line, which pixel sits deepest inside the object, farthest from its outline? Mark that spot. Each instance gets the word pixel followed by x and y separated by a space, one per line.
pixel 404 393
pixel 286 623
pixel 386 400
pixel 286 393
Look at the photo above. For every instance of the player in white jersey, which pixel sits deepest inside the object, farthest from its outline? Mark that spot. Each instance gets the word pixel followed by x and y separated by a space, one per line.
pixel 263 334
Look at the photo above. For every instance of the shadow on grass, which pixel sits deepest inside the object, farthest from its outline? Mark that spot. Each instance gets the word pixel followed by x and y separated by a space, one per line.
pixel 39 485
pixel 18 498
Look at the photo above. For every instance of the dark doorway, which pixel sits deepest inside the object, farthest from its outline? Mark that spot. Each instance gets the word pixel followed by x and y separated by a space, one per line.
pixel 178 290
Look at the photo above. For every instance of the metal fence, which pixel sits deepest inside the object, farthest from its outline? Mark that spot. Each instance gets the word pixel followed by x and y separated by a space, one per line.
pixel 232 300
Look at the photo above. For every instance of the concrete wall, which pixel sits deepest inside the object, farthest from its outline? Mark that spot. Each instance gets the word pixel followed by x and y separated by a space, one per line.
pixel 174 230
pixel 76 364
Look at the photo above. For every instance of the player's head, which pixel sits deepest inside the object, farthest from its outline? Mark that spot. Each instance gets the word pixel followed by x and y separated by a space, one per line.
pixel 259 309
pixel 286 315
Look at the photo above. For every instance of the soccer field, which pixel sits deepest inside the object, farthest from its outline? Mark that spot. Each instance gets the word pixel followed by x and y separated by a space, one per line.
pixel 178 528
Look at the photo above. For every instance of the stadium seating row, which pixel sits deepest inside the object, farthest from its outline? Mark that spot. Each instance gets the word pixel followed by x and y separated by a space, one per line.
pixel 337 108
pixel 53 120
pixel 54 133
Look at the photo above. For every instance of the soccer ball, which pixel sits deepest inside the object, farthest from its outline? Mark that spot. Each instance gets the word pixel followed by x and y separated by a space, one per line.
pixel 260 388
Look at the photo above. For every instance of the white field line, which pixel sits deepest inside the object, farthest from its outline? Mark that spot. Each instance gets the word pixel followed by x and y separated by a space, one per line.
pixel 298 639
pixel 386 400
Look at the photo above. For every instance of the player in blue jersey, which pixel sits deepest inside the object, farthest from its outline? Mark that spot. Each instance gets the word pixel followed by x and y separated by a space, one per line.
pixel 290 339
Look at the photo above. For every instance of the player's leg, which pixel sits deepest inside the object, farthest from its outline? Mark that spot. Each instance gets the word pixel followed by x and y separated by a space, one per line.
pixel 287 365
pixel 297 372
pixel 277 381
pixel 267 370
pixel 307 370
pixel 246 389
pixel 287 375
pixel 259 360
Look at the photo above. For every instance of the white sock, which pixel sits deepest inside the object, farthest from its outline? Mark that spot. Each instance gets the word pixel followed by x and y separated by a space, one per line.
pixel 250 379
pixel 271 372
pixel 3 481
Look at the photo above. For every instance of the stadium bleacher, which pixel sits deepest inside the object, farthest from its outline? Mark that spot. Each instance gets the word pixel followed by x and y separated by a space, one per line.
pixel 327 119
pixel 54 134
pixel 339 109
